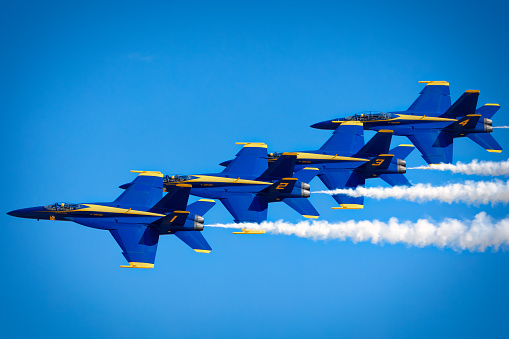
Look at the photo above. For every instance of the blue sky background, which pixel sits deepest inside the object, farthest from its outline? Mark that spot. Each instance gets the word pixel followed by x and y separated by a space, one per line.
pixel 90 91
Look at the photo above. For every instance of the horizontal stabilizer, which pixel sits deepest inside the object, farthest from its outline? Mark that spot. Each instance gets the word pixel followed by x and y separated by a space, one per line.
pixel 175 199
pixel 465 105
pixel 195 240
pixel 486 141
pixel 306 174
pixel 402 151
pixel 488 110
pixel 378 144
pixel 201 206
pixel 348 138
pixel 396 179
pixel 303 207
pixel 283 167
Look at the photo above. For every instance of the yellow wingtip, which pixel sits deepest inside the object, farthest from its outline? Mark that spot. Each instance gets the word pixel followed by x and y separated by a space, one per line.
pixel 138 265
pixel 348 207
pixel 310 216
pixel 494 150
pixel 201 251
pixel 249 231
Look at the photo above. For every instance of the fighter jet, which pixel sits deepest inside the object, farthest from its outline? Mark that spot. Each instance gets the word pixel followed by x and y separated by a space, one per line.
pixel 137 217
pixel 247 185
pixel 344 161
pixel 431 122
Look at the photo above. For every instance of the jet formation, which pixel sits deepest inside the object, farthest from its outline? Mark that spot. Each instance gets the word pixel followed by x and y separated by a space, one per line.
pixel 255 178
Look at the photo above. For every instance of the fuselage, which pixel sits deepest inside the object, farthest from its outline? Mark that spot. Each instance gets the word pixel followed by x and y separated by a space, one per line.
pixel 105 214
pixel 401 123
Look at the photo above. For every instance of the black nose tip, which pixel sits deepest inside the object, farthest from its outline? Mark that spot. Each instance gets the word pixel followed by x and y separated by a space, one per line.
pixel 12 213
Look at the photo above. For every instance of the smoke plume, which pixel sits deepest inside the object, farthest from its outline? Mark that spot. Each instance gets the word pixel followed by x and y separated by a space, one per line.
pixel 473 235
pixel 500 126
pixel 476 167
pixel 469 192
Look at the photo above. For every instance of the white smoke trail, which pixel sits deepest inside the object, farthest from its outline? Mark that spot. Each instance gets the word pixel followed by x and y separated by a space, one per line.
pixel 500 126
pixel 470 192
pixel 476 167
pixel 473 235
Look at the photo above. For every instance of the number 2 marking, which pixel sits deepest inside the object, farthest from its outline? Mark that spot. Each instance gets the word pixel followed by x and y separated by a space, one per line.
pixel 282 186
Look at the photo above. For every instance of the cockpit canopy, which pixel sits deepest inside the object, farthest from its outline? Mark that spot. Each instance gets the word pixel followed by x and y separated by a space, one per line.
pixel 63 206
pixel 369 116
pixel 176 178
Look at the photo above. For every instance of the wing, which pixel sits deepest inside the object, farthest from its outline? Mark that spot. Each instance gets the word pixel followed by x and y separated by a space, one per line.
pixel 303 206
pixel 339 179
pixel 395 179
pixel 435 145
pixel 195 240
pixel 145 190
pixel 247 208
pixel 433 100
pixel 251 160
pixel 348 138
pixel 138 243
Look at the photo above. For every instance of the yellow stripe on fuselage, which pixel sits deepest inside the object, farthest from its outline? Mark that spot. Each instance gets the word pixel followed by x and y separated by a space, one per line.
pixel 108 209
pixel 212 179
pixel 303 156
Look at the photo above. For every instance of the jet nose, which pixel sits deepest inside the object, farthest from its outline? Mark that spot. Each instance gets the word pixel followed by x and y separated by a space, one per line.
pixel 15 213
pixel 328 124
pixel 24 212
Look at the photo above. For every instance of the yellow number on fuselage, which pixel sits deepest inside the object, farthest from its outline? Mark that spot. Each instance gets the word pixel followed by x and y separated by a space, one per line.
pixel 463 123
pixel 378 162
pixel 282 186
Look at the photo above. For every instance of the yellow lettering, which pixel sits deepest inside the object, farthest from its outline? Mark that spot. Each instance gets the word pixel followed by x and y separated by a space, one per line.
pixel 463 123
pixel 282 186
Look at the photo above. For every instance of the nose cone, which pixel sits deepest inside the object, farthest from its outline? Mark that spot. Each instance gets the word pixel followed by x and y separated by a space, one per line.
pixel 328 124
pixel 25 212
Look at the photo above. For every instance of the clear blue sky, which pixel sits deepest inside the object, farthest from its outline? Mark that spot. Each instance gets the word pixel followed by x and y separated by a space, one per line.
pixel 90 91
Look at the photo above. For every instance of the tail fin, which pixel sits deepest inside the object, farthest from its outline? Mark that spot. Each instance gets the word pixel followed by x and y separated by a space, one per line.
pixel 379 144
pixel 488 110
pixel 465 105
pixel 486 141
pixel 284 185
pixel 175 199
pixel 402 151
pixel 434 99
pixel 303 207
pixel 347 138
pixel 283 167
pixel 195 240
pixel 380 162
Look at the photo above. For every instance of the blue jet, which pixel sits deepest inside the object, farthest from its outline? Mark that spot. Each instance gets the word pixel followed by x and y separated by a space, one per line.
pixel 432 123
pixel 247 185
pixel 137 217
pixel 344 161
